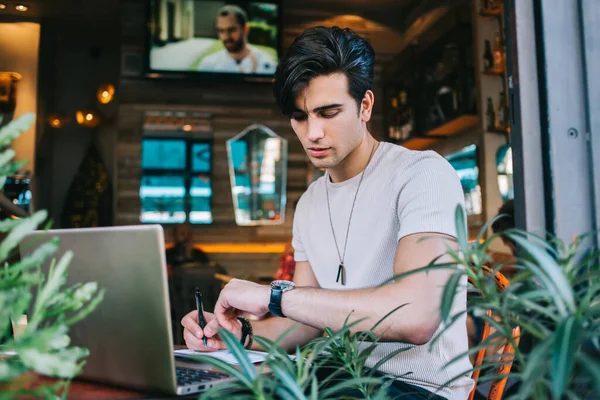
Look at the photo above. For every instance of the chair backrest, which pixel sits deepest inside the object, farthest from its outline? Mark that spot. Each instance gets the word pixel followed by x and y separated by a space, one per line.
pixel 508 350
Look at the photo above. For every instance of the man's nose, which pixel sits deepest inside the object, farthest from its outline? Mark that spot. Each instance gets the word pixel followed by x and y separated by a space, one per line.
pixel 315 129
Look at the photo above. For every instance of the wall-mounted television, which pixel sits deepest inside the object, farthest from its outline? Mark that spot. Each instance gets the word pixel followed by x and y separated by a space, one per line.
pixel 211 39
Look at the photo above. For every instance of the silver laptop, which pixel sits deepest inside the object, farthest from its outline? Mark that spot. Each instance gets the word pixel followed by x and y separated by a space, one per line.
pixel 129 334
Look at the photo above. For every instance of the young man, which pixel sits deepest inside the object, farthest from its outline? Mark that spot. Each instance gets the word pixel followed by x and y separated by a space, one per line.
pixel 357 227
pixel 183 250
pixel 238 55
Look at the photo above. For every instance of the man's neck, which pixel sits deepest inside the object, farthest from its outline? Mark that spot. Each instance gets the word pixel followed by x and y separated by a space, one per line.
pixel 355 162
pixel 240 55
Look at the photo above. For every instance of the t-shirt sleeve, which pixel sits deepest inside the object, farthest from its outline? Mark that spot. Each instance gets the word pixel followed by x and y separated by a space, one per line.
pixel 427 200
pixel 299 253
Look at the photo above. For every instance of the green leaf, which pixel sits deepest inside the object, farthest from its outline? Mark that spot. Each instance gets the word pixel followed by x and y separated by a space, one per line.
pixel 275 353
pixel 536 367
pixel 462 236
pixel 64 363
pixel 87 309
pixel 17 234
pixel 12 301
pixel 566 342
pixel 14 128
pixel 486 226
pixel 314 388
pixel 445 327
pixel 389 357
pixel 354 383
pixel 386 316
pixel 284 394
pixel 37 257
pixel 239 353
pixel 421 270
pixel 548 268
pixel 592 367
pixel 6 156
pixel 56 279
pixel 225 367
pixel 10 369
pixel 288 381
pixel 448 295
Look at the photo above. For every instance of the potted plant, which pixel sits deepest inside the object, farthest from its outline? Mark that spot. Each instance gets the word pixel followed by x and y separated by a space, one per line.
pixel 554 298
pixel 43 347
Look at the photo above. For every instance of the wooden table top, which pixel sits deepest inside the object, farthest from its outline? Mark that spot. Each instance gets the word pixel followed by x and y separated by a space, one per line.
pixel 85 390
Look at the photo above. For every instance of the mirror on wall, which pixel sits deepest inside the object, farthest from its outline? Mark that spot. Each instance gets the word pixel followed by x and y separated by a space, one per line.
pixel 258 171
pixel 504 169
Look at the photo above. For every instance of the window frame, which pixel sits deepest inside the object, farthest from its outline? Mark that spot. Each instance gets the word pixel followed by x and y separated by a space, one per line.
pixel 187 173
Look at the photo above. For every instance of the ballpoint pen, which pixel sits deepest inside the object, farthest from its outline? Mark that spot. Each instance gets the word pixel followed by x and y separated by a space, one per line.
pixel 201 319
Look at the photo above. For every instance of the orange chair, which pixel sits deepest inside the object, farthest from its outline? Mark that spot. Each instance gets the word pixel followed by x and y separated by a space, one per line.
pixel 497 387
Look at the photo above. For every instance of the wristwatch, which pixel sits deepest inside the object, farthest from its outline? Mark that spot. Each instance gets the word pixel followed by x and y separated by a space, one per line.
pixel 277 289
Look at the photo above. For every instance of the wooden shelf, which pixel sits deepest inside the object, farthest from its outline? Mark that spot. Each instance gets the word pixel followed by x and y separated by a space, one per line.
pixel 418 143
pixel 457 125
pixel 442 132
pixel 494 73
pixel 492 13
pixel 499 131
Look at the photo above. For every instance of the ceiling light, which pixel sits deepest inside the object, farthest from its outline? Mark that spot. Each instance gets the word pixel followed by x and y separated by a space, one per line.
pixel 2 6
pixel 58 120
pixel 106 93
pixel 187 128
pixel 21 7
pixel 88 118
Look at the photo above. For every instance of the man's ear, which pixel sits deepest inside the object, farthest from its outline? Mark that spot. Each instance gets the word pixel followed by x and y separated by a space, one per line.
pixel 246 30
pixel 366 106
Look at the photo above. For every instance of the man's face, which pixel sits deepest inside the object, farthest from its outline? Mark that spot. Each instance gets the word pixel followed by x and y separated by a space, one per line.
pixel 327 120
pixel 231 33
pixel 182 233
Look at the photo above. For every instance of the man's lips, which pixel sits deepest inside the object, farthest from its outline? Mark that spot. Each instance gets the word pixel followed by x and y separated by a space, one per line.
pixel 318 151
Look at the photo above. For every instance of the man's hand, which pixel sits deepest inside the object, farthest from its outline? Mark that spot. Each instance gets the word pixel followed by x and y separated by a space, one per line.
pixel 240 298
pixel 193 334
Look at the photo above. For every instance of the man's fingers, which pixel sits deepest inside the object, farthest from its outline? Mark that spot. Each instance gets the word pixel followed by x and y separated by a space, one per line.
pixel 191 341
pixel 211 328
pixel 229 321
pixel 191 324
pixel 194 343
pixel 224 314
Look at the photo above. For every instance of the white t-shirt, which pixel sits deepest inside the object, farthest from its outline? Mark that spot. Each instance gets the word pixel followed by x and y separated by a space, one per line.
pixel 403 192
pixel 256 62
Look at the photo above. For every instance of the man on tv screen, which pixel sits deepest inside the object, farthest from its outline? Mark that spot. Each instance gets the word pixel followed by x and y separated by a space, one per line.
pixel 237 56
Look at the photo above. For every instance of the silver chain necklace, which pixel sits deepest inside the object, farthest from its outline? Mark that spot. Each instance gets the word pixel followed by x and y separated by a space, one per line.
pixel 341 273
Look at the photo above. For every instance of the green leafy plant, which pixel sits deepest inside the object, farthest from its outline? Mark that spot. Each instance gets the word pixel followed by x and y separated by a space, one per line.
pixel 553 298
pixel 296 376
pixel 43 346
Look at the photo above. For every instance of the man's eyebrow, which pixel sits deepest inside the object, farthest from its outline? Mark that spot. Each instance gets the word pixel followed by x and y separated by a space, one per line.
pixel 321 108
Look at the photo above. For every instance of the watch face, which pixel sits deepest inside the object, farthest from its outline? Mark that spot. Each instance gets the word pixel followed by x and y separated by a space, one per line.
pixel 283 285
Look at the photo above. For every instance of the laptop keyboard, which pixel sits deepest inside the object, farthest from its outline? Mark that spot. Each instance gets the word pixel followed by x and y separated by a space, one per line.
pixel 189 376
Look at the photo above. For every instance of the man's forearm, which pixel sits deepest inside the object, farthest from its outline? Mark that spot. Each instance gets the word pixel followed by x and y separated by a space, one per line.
pixel 414 323
pixel 273 328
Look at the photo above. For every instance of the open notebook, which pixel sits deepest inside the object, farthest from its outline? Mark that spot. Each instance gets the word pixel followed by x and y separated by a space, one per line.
pixel 225 355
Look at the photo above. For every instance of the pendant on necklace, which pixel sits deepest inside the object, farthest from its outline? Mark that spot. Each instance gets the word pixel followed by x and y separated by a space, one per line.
pixel 341 275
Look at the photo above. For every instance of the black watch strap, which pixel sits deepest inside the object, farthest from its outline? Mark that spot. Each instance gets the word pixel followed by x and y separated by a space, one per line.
pixel 275 303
